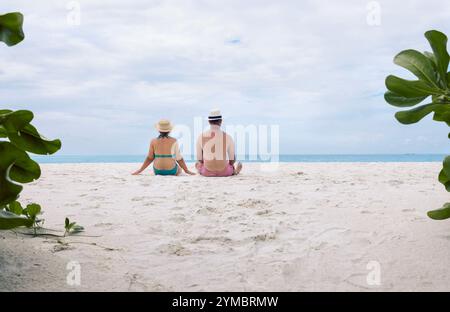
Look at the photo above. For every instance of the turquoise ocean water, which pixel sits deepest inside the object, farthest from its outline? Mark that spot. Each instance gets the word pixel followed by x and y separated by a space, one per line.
pixel 60 159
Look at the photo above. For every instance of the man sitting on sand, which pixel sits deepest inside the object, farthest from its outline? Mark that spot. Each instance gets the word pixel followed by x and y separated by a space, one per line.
pixel 213 147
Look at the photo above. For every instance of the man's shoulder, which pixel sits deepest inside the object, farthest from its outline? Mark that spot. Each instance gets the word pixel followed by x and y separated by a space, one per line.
pixel 229 137
pixel 203 134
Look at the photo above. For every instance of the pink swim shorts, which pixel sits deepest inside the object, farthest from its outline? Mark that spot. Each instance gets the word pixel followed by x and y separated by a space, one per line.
pixel 228 171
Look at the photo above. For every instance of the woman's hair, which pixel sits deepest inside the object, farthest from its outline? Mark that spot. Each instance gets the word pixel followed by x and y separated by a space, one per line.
pixel 163 135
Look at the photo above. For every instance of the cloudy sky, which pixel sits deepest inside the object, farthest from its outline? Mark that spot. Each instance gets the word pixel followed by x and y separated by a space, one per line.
pixel 315 68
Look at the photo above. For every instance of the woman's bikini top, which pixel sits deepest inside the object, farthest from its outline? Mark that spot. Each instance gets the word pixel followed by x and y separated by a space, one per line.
pixel 164 156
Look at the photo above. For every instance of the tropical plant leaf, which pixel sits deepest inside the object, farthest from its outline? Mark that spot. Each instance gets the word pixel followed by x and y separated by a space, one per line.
pixel 440 214
pixel 432 58
pixel 25 170
pixel 30 140
pixel 15 165
pixel 444 179
pixel 409 88
pixel 438 42
pixel 76 229
pixel 416 114
pixel 444 175
pixel 401 101
pixel 9 220
pixel 25 136
pixel 15 121
pixel 446 166
pixel 443 116
pixel 72 227
pixel 15 207
pixel 419 65
pixel 3 133
pixel 32 210
pixel 11 31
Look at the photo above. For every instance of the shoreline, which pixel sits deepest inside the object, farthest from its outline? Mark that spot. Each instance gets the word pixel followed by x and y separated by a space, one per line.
pixel 287 158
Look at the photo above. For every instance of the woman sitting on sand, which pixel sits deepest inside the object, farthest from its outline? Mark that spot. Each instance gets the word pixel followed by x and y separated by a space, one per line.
pixel 165 153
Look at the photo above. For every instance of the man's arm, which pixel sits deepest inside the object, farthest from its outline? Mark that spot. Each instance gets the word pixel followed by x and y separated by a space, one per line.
pixel 231 150
pixel 199 149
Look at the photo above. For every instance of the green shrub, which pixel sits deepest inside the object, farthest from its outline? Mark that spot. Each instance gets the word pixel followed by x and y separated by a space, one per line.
pixel 17 137
pixel 433 83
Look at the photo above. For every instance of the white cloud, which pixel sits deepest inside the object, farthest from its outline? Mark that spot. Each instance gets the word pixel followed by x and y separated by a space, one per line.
pixel 313 67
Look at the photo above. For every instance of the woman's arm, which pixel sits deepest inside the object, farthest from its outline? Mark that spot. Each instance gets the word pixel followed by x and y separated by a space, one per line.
pixel 148 160
pixel 179 158
pixel 184 167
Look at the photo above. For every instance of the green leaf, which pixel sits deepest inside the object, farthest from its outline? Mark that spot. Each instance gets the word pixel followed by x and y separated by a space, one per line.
pixel 16 121
pixel 77 229
pixel 30 140
pixel 409 88
pixel 66 223
pixel 444 179
pixel 419 65
pixel 438 42
pixel 9 191
pixel 33 210
pixel 25 170
pixel 401 101
pixel 440 214
pixel 15 166
pixel 416 114
pixel 444 175
pixel 446 166
pixel 11 31
pixel 15 207
pixel 9 220
pixel 3 133
pixel 443 116
pixel 432 58
pixel 22 134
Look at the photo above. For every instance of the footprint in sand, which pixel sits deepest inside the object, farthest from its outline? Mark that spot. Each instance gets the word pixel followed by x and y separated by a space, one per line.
pixel 253 203
pixel 220 239
pixel 174 249
pixel 103 224
pixel 264 237
pixel 207 210
pixel 263 212
pixel 395 182
pixel 179 218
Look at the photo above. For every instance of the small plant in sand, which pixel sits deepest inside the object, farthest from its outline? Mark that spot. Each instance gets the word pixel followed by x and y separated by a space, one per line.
pixel 72 227
pixel 433 83
pixel 17 137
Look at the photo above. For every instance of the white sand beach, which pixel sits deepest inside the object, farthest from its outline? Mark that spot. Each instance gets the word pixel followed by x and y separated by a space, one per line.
pixel 306 227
